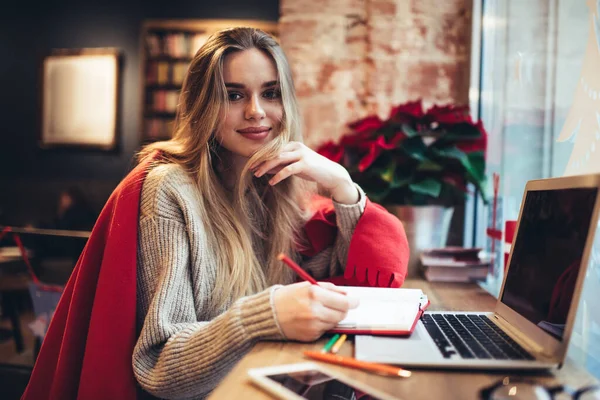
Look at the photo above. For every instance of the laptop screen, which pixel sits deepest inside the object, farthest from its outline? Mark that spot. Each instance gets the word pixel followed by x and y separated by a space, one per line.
pixel 547 253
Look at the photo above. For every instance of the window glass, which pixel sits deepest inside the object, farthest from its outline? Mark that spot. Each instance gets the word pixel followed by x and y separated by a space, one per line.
pixel 539 99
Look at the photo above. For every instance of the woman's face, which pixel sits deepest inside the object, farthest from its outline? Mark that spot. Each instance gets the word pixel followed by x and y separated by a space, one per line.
pixel 255 111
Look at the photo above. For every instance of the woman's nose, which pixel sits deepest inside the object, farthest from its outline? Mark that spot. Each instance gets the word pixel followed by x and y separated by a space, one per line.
pixel 254 109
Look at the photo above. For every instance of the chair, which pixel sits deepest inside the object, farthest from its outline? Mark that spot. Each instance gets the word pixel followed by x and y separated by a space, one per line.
pixel 44 299
pixel 11 285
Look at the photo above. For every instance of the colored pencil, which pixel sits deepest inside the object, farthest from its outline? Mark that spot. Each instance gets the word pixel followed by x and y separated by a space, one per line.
pixel 330 343
pixel 354 363
pixel 336 347
pixel 302 273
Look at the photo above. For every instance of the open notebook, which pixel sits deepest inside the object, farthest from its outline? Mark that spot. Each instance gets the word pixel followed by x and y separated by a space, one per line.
pixel 383 311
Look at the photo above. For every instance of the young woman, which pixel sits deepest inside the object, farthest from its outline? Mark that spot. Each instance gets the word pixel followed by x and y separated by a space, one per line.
pixel 219 201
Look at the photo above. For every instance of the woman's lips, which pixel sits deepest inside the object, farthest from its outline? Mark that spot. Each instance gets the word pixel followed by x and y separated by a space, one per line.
pixel 255 133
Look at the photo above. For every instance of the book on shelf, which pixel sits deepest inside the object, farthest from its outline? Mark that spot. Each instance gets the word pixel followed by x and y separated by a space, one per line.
pixel 158 101
pixel 196 41
pixel 433 261
pixel 172 98
pixel 455 265
pixel 166 73
pixel 179 69
pixel 153 45
pixel 178 44
pixel 174 44
pixel 451 274
pixel 164 101
pixel 157 128
pixel 162 73
pixel 152 73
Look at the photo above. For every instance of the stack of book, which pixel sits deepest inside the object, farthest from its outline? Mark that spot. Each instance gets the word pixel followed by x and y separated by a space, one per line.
pixel 455 264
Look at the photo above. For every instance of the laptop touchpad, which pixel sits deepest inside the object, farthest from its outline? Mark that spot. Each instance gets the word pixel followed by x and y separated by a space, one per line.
pixel 418 346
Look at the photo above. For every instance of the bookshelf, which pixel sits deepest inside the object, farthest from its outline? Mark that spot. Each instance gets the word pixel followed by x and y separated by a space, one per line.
pixel 167 50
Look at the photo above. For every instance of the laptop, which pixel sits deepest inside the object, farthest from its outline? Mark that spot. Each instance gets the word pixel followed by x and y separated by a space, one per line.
pixel 534 315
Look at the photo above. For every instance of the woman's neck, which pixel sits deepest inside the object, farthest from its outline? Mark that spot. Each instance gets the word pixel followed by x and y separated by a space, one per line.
pixel 230 168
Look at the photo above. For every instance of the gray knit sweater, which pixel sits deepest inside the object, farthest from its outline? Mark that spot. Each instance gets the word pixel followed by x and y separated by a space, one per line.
pixel 185 347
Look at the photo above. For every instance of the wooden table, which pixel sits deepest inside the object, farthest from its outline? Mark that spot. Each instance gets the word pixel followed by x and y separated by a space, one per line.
pixel 424 384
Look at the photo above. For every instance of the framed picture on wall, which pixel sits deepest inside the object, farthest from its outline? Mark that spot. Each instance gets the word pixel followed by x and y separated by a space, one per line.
pixel 80 98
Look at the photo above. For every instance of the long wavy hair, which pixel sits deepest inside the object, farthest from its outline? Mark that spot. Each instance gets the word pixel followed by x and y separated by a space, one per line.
pixel 255 215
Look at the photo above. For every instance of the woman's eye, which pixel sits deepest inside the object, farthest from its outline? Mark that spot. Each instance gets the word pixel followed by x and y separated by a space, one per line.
pixel 272 94
pixel 234 96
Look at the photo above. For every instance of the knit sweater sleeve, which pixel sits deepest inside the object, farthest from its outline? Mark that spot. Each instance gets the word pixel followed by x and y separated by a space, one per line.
pixel 332 261
pixel 183 351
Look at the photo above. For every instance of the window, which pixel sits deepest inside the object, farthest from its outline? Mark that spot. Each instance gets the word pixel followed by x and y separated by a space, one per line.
pixel 538 95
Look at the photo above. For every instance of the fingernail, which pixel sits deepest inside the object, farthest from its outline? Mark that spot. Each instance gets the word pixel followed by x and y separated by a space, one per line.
pixel 353 302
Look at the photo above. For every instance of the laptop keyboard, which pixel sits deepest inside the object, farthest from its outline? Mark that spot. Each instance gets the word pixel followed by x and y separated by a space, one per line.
pixel 472 336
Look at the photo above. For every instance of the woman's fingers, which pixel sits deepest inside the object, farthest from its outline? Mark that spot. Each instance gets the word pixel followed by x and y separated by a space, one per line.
pixel 275 170
pixel 286 172
pixel 331 286
pixel 306 311
pixel 283 158
pixel 353 302
pixel 329 317
pixel 334 300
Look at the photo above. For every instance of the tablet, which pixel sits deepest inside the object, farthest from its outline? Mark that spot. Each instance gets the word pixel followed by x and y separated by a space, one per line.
pixel 310 381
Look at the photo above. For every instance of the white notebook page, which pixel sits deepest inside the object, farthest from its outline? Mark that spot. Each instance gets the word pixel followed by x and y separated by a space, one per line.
pixel 383 307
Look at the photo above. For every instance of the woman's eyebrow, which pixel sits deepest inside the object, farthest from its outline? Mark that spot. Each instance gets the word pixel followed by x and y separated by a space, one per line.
pixel 270 83
pixel 242 86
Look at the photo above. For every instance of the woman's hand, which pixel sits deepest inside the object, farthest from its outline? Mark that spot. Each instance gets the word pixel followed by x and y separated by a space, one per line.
pixel 297 159
pixel 305 311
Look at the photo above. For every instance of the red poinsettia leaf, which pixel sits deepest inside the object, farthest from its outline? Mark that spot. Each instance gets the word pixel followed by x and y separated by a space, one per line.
pixel 469 146
pixel 360 142
pixel 478 144
pixel 366 125
pixel 448 114
pixel 398 137
pixel 334 152
pixel 351 140
pixel 412 108
pixel 407 112
pixel 368 159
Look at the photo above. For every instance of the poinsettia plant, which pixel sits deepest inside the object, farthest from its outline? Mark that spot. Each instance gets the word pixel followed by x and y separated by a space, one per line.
pixel 415 157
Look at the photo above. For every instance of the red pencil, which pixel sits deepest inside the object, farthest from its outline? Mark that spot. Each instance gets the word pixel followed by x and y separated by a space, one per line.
pixel 302 273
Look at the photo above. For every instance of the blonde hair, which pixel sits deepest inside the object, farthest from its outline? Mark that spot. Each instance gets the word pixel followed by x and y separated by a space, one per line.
pixel 271 215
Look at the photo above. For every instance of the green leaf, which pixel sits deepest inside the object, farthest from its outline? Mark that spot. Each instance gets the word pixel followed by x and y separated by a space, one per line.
pixel 415 148
pixel 477 160
pixel 390 171
pixel 428 165
pixel 409 130
pixel 373 186
pixel 378 195
pixel 473 163
pixel 461 132
pixel 429 187
pixel 396 177
pixel 451 152
pixel 400 182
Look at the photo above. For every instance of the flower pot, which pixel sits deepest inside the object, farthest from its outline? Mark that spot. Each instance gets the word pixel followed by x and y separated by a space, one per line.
pixel 426 227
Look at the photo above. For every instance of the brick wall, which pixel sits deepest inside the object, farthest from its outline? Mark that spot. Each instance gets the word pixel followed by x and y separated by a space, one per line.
pixel 351 58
